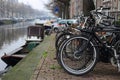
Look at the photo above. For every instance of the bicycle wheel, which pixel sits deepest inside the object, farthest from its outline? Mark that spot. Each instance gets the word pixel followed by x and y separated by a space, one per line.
pixel 61 38
pixel 57 34
pixel 77 56
pixel 59 48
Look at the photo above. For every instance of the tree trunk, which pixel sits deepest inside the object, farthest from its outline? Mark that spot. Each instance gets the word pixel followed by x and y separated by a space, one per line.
pixel 88 5
pixel 66 11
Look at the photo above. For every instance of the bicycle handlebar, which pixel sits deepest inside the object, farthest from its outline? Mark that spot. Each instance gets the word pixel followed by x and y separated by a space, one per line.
pixel 108 17
pixel 107 8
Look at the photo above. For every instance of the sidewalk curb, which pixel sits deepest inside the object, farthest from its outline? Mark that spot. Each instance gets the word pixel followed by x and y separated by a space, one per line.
pixel 38 68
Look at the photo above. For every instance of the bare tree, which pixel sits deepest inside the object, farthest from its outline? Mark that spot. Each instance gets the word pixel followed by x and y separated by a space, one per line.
pixel 12 8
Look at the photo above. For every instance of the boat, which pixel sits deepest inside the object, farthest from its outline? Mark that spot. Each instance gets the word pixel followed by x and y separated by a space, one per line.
pixel 18 54
pixel 12 60
pixel 35 33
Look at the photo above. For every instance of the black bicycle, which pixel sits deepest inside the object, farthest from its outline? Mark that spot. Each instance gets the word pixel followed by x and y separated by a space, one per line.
pixel 79 54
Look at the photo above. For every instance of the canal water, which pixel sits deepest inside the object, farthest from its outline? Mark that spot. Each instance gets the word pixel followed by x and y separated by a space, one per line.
pixel 12 37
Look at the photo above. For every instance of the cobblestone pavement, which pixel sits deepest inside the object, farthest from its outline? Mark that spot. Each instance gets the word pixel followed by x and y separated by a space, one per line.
pixel 48 69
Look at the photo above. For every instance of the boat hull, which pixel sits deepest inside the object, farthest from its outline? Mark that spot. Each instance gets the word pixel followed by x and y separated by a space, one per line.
pixel 11 60
pixel 18 54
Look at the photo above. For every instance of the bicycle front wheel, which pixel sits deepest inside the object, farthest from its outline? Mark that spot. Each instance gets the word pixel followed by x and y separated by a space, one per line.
pixel 77 56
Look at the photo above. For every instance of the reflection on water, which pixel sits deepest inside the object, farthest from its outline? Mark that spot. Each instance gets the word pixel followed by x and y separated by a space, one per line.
pixel 12 37
pixel 9 35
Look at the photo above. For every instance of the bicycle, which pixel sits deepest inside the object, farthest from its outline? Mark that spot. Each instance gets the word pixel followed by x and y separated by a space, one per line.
pixel 79 54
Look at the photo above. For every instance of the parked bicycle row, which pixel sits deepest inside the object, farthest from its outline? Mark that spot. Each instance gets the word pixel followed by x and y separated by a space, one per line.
pixel 96 39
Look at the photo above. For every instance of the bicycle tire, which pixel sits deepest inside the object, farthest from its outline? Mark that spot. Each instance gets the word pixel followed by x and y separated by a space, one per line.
pixel 77 71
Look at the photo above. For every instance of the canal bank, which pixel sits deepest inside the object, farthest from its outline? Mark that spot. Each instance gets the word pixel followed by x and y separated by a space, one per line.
pixel 41 64
pixel 25 69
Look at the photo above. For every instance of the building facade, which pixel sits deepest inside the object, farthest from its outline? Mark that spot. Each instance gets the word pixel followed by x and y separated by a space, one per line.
pixel 119 5
pixel 114 7
pixel 79 6
pixel 98 3
pixel 76 8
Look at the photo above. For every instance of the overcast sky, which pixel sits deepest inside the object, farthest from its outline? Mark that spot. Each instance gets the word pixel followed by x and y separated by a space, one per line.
pixel 36 4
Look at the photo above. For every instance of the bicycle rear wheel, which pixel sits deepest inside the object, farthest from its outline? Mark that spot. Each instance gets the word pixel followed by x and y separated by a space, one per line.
pixel 78 63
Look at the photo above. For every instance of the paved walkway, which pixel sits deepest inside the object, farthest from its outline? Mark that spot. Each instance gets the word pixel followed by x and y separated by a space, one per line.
pixel 48 69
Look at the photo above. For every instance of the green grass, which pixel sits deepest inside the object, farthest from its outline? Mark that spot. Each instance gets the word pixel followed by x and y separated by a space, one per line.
pixel 55 67
pixel 45 54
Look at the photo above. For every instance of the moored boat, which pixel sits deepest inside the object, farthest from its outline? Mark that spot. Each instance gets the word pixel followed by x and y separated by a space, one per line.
pixel 18 54
pixel 12 60
pixel 35 34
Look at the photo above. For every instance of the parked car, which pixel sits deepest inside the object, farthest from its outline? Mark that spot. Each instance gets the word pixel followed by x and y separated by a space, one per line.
pixel 38 21
pixel 60 25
